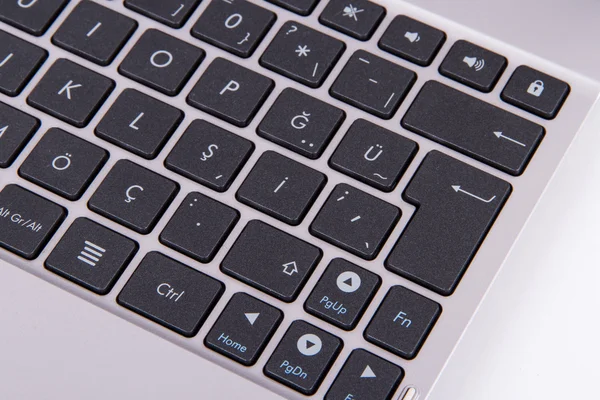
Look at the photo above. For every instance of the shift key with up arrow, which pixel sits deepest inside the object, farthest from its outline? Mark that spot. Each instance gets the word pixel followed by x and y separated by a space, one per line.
pixel 456 207
pixel 474 127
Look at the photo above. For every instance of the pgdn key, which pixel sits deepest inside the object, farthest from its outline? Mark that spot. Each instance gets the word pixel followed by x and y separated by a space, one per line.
pixel 456 207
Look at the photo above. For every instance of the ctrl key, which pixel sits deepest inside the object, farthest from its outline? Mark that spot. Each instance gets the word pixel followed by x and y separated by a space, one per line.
pixel 27 221
pixel 171 294
pixel 303 357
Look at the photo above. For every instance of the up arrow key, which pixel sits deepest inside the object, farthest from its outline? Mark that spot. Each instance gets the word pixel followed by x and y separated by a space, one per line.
pixel 368 373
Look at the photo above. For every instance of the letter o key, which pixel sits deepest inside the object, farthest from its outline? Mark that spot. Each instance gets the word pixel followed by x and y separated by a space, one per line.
pixel 162 64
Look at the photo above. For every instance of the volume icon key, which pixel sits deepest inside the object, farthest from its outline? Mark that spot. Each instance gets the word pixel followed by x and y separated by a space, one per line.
pixel 91 253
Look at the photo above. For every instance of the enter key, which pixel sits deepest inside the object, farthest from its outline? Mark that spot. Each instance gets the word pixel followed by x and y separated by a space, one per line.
pixel 456 207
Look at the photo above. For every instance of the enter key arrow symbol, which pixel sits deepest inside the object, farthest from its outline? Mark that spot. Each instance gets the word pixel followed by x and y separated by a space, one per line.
pixel 501 135
pixel 457 189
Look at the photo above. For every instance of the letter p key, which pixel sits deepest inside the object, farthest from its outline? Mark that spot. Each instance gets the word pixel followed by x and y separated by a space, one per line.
pixel 232 86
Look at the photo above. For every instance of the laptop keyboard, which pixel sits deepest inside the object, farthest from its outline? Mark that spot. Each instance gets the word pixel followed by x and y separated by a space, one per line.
pixel 456 196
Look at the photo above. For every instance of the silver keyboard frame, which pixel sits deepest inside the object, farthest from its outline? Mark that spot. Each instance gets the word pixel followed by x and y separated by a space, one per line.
pixel 458 309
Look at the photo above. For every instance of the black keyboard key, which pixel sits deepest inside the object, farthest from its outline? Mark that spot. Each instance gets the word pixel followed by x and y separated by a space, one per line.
pixel 301 123
pixel 473 127
pixel 94 32
pixel 139 123
pixel 133 196
pixel 373 84
pixel 171 13
pixel 412 40
pixel 281 188
pixel 358 18
pixel 342 294
pixel 536 92
pixel 91 256
pixel 71 92
pixel 243 329
pixel 63 163
pixel 161 62
pixel 171 294
pixel 199 227
pixel 365 376
pixel 271 260
pixel 302 54
pixel 31 16
pixel 302 7
pixel 457 205
pixel 236 26
pixel 373 155
pixel 209 155
pixel 27 221
pixel 473 66
pixel 403 322
pixel 355 221
pixel 303 357
pixel 16 128
pixel 230 92
pixel 19 61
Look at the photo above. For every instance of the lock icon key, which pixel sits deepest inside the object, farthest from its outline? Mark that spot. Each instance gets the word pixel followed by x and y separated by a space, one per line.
pixel 536 88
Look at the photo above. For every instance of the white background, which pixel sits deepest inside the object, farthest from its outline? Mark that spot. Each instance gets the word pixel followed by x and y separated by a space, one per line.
pixel 535 337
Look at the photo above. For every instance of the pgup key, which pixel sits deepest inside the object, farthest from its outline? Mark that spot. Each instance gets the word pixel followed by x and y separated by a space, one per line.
pixel 456 207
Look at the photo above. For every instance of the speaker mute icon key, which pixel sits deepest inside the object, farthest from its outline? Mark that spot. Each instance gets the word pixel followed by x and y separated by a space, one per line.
pixel 91 253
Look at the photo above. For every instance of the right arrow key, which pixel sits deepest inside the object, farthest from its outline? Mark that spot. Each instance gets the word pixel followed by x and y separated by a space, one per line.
pixel 456 207
pixel 474 127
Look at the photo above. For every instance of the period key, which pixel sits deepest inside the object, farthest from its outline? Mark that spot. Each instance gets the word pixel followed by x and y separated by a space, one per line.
pixel 243 329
